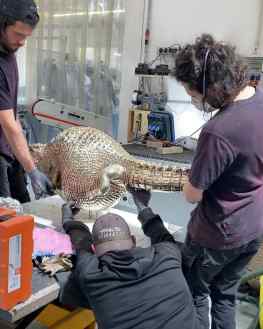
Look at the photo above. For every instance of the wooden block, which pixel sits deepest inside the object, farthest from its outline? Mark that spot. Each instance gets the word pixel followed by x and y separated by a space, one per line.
pixel 170 150
pixel 140 121
pixel 137 123
pixel 154 144
pixel 59 318
pixel 51 314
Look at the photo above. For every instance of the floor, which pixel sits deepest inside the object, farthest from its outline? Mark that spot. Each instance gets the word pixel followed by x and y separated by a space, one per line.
pixel 246 313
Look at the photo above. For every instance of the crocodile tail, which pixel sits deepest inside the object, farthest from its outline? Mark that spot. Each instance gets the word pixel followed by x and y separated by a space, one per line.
pixel 147 175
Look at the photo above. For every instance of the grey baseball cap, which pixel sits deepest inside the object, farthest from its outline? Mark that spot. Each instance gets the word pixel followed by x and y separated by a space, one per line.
pixel 21 10
pixel 110 233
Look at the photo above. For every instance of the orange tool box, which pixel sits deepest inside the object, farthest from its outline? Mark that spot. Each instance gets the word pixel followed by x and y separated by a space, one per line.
pixel 16 248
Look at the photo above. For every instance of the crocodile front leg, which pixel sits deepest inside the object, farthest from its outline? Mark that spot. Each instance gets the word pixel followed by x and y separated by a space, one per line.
pixel 110 174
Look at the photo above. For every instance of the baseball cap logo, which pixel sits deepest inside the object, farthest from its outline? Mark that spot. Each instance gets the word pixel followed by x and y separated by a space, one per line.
pixel 107 233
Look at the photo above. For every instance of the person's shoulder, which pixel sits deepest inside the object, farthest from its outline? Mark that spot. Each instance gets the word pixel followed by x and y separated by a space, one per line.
pixel 169 249
pixel 220 123
pixel 7 59
pixel 2 63
pixel 86 264
pixel 6 62
pixel 212 127
pixel 168 253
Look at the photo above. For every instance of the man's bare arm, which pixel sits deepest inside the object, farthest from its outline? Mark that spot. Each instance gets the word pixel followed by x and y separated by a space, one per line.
pixel 192 194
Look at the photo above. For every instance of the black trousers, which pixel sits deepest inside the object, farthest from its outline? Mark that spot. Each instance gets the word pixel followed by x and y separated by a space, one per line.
pixel 12 180
pixel 213 277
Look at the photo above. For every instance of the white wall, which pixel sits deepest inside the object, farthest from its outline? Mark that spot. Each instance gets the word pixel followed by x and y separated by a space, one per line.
pixel 234 21
pixel 131 57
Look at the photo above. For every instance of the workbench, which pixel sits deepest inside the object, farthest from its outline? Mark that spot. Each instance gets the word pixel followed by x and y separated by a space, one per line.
pixel 141 150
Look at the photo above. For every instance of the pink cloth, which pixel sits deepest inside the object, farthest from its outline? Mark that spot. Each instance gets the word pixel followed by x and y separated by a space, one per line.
pixel 50 242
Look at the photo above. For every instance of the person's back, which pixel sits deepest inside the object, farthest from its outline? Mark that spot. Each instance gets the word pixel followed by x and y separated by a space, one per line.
pixel 128 287
pixel 235 133
pixel 138 288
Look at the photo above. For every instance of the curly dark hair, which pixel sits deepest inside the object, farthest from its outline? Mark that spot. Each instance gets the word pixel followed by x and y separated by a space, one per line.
pixel 225 71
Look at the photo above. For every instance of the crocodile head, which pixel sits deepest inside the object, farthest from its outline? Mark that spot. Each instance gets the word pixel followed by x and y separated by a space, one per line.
pixel 69 184
pixel 46 162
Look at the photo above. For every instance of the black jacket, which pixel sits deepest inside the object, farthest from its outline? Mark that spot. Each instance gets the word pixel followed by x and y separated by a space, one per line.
pixel 142 288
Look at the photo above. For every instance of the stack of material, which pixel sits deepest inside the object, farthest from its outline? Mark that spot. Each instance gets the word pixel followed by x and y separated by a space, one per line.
pixel 57 317
pixel 163 147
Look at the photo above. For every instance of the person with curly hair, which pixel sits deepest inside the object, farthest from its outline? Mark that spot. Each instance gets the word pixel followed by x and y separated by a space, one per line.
pixel 226 178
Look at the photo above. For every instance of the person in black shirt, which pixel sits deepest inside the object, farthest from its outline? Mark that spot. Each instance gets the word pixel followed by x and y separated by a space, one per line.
pixel 226 178
pixel 18 18
pixel 128 286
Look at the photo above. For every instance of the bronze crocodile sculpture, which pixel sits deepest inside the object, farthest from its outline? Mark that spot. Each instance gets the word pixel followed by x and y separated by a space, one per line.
pixel 92 169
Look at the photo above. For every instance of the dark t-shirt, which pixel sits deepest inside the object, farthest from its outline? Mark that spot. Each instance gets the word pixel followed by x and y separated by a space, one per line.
pixel 228 166
pixel 8 92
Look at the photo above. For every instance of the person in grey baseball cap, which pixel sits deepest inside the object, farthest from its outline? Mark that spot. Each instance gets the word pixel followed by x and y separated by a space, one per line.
pixel 18 18
pixel 127 286
pixel 111 232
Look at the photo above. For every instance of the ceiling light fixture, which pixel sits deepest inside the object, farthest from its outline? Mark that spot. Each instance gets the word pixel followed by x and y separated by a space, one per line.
pixel 84 13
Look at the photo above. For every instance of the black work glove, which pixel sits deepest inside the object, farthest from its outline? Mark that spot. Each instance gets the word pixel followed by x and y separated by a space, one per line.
pixel 79 233
pixel 69 211
pixel 141 198
pixel 41 184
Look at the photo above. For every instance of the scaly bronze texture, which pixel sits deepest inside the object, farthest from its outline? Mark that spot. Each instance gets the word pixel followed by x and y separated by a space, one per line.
pixel 92 169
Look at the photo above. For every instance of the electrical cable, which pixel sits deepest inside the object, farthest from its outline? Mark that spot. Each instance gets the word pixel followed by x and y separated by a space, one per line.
pixel 204 76
pixel 196 131
pixel 161 55
pixel 155 59
pixel 204 90
pixel 142 31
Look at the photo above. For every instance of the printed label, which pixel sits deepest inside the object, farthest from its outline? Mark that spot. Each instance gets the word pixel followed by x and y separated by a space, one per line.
pixel 14 276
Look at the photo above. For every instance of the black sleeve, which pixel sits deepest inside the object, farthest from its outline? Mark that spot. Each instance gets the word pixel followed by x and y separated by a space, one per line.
pixel 153 227
pixel 80 236
pixel 6 102
pixel 71 293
